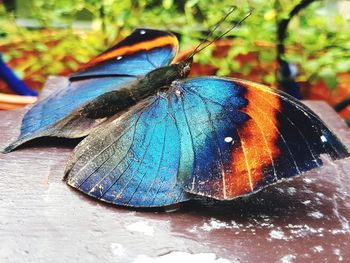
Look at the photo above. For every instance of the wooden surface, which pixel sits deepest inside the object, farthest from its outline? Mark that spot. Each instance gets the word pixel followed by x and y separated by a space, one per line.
pixel 44 220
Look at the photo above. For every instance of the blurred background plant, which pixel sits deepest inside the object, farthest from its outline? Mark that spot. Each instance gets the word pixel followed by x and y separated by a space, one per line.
pixel 39 38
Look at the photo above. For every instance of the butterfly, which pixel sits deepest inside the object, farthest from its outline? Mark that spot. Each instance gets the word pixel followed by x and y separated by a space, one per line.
pixel 154 137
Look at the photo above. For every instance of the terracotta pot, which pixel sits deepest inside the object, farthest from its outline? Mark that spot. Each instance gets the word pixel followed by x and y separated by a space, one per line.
pixel 10 101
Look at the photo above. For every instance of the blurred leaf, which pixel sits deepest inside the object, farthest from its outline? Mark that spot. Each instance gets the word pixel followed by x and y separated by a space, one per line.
pixel 269 78
pixel 19 74
pixel 343 66
pixel 329 77
pixel 40 47
pixel 6 58
pixel 72 65
pixel 318 38
pixel 246 69
pixel 269 15
pixel 167 4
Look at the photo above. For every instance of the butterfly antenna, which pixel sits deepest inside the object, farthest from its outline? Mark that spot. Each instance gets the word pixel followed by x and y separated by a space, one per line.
pixel 233 8
pixel 200 47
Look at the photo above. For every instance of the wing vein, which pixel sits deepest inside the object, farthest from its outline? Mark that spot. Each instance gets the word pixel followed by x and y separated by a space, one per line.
pixel 222 168
pixel 158 169
pixel 192 143
pixel 116 180
pixel 282 137
pixel 296 127
pixel 110 144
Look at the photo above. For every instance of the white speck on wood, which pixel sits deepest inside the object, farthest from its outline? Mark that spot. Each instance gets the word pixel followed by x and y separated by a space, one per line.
pixel 336 252
pixel 277 234
pixel 343 221
pixel 177 256
pixel 317 249
pixel 316 215
pixel 118 249
pixel 307 180
pixel 141 227
pixel 306 202
pixel 291 190
pixel 287 258
pixel 214 224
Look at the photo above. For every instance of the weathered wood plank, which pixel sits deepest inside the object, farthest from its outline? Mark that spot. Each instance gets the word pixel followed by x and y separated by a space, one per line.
pixel 43 220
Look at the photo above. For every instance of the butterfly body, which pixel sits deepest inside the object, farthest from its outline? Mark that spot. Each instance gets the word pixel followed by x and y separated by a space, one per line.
pixel 156 138
pixel 118 100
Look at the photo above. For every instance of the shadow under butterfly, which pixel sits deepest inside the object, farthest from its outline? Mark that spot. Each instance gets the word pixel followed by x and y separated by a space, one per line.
pixel 155 137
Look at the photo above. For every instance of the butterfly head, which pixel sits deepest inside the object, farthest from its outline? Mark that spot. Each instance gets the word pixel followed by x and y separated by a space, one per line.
pixel 184 67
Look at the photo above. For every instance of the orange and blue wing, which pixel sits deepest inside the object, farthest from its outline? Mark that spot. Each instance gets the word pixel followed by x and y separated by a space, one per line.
pixel 214 137
pixel 142 51
pixel 238 136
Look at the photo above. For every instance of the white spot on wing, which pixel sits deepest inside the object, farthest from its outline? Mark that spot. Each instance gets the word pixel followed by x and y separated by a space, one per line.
pixel 142 32
pixel 119 57
pixel 323 138
pixel 228 139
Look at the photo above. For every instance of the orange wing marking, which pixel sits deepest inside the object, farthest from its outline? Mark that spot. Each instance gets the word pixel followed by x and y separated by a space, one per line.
pixel 145 45
pixel 249 160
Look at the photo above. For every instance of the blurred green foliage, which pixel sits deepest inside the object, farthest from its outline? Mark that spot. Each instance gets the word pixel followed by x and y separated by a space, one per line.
pixel 318 40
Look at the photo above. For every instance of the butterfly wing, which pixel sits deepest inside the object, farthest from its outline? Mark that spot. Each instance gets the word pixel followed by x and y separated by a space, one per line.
pixel 139 53
pixel 215 137
pixel 131 161
pixel 119 66
pixel 238 136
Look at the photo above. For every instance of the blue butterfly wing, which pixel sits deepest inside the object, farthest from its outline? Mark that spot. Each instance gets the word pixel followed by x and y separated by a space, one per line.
pixel 119 66
pixel 215 137
pixel 131 161
pixel 238 136
pixel 51 116
pixel 142 51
